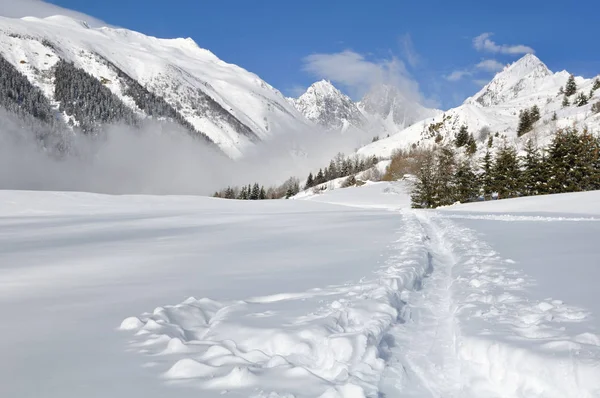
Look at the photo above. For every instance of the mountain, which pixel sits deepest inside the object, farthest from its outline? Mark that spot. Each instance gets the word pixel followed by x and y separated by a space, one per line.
pixel 495 109
pixel 388 106
pixel 328 107
pixel 66 61
pixel 383 110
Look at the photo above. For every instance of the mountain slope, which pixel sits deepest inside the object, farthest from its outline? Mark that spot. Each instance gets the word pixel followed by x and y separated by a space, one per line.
pixel 230 105
pixel 495 109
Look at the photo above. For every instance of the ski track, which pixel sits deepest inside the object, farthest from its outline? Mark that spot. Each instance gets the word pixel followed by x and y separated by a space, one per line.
pixel 446 316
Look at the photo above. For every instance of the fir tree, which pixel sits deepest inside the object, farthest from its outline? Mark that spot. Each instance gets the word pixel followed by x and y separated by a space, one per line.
pixel 462 137
pixel 581 100
pixel 263 194
pixel 320 179
pixel 465 183
pixel 255 193
pixel 565 102
pixel 243 193
pixel 532 178
pixel 487 179
pixel 525 122
pixel 554 117
pixel 423 193
pixel 471 146
pixel 445 168
pixel 561 91
pixel 571 86
pixel 506 173
pixel 534 114
pixel 309 181
pixel 596 85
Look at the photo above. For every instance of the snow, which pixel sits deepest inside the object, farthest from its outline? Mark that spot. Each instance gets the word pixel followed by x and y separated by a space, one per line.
pixel 345 294
pixel 495 108
pixel 175 69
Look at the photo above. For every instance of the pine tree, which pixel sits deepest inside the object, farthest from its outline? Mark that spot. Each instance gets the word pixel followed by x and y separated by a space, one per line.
pixel 243 193
pixel 423 193
pixel 506 173
pixel 581 100
pixel 565 102
pixel 462 137
pixel 534 114
pixel 471 146
pixel 596 85
pixel 554 117
pixel 487 179
pixel 532 178
pixel 320 179
pixel 309 181
pixel 332 171
pixel 571 86
pixel 445 168
pixel 255 193
pixel 561 91
pixel 465 183
pixel 263 194
pixel 525 122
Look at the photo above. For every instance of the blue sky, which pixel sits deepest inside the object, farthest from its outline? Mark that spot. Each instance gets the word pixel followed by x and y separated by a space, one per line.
pixel 425 47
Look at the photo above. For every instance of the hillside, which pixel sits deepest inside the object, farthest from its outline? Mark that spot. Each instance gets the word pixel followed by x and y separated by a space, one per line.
pixel 495 109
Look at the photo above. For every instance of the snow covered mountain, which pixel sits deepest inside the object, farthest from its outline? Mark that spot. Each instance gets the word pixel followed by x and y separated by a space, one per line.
pixel 383 110
pixel 496 107
pixel 327 106
pixel 231 106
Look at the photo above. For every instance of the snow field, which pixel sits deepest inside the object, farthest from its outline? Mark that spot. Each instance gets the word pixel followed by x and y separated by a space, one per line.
pixel 339 350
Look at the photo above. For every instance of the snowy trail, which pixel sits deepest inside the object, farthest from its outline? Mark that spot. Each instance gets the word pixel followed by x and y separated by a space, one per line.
pixel 473 330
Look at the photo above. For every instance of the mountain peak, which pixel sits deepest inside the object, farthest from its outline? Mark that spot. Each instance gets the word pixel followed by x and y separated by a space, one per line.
pixel 327 106
pixel 516 79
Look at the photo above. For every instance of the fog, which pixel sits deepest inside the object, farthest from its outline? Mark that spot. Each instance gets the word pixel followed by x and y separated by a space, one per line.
pixel 158 158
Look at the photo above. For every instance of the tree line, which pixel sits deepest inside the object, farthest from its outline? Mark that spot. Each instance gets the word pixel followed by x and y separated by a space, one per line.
pixel 571 163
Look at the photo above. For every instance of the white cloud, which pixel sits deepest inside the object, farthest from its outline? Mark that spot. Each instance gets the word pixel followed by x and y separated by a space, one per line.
pixel 457 75
pixel 490 65
pixel 408 49
pixel 484 43
pixel 358 74
pixel 41 9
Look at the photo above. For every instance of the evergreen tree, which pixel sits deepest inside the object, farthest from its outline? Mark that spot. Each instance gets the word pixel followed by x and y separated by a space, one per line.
pixel 525 122
pixel 596 85
pixel 571 86
pixel 332 171
pixel 309 181
pixel 445 168
pixel 532 175
pixel 490 142
pixel 581 100
pixel 506 173
pixel 263 193
pixel 534 114
pixel 423 193
pixel 462 137
pixel 243 193
pixel 565 102
pixel 320 179
pixel 255 193
pixel 561 91
pixel 465 183
pixel 554 117
pixel 487 178
pixel 471 146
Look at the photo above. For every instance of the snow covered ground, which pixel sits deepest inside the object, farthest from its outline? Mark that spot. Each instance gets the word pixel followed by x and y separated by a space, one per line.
pixel 128 296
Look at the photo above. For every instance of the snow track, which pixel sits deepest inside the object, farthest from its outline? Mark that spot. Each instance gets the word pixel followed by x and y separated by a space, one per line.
pixel 268 346
pixel 446 316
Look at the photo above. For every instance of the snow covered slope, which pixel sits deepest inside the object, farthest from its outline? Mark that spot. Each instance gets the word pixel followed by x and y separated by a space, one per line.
pixel 495 109
pixel 181 296
pixel 232 106
pixel 325 105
